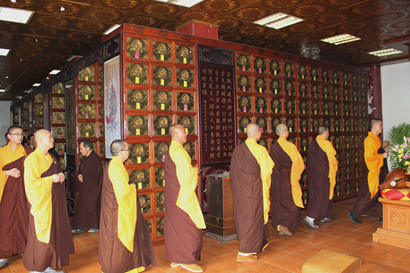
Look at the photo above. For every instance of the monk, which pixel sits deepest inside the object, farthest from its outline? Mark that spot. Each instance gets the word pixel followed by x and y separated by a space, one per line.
pixel 251 169
pixel 286 193
pixel 184 220
pixel 13 201
pixel 88 200
pixel 322 166
pixel 49 235
pixel 125 243
pixel 367 201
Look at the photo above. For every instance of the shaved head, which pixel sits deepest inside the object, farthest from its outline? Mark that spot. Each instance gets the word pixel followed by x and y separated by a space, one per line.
pixel 117 146
pixel 281 130
pixel 253 130
pixel 177 133
pixel 44 140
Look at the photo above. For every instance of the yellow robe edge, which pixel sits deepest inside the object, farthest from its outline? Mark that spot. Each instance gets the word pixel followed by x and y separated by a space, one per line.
pixel 296 171
pixel 188 180
pixel 126 196
pixel 327 147
pixel 374 162
pixel 266 165
pixel 7 156
pixel 39 192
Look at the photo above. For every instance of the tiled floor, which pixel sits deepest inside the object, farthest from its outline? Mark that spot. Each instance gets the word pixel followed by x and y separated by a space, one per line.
pixel 285 254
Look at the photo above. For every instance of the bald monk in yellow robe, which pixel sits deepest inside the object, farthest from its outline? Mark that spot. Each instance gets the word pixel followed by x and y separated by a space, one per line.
pixel 13 201
pixel 367 202
pixel 286 193
pixel 49 233
pixel 184 220
pixel 125 243
pixel 250 171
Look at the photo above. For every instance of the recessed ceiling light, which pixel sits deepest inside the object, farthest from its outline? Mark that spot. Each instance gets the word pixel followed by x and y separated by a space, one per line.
pixel 385 52
pixel 62 8
pixel 341 39
pixel 184 3
pixel 2 90
pixel 111 29
pixel 4 51
pixel 21 16
pixel 7 77
pixel 36 84
pixel 13 1
pixel 278 20
pixel 54 72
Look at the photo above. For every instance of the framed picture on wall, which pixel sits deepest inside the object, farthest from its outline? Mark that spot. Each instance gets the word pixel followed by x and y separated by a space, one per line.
pixel 112 102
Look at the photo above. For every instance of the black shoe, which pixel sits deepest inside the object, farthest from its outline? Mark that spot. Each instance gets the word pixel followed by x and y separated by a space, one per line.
pixel 353 217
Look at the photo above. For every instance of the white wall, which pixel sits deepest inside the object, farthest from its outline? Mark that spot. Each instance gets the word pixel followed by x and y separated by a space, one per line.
pixel 395 94
pixel 4 120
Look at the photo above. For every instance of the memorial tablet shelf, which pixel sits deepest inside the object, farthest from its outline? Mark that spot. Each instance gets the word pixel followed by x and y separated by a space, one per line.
pixel 25 123
pixel 15 115
pixel 89 105
pixel 304 97
pixel 58 119
pixel 38 111
pixel 159 89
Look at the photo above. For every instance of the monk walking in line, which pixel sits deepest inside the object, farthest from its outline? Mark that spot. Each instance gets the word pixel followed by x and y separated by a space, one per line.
pixel 184 220
pixel 49 234
pixel 13 201
pixel 251 169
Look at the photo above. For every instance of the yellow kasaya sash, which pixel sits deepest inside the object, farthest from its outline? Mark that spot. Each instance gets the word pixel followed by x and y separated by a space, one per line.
pixel 266 165
pixel 188 180
pixel 126 195
pixel 296 171
pixel 38 192
pixel 7 156
pixel 374 162
pixel 327 147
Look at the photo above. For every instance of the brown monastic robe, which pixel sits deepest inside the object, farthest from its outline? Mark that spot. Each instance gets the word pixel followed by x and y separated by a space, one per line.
pixel 319 205
pixel 284 211
pixel 113 256
pixel 38 255
pixel 88 200
pixel 248 200
pixel 13 213
pixel 183 240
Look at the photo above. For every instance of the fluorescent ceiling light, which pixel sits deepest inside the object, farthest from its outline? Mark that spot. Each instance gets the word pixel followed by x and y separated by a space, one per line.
pixel 55 71
pixel 4 51
pixel 2 90
pixel 184 3
pixel 36 84
pixel 111 29
pixel 278 20
pixel 385 52
pixel 21 16
pixel 19 97
pixel 341 39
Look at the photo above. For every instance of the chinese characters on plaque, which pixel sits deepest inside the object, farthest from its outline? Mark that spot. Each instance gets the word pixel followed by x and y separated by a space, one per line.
pixel 216 83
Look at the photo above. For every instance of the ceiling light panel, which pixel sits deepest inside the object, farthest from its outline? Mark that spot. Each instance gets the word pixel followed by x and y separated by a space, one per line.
pixel 278 20
pixel 21 16
pixel 111 29
pixel 54 72
pixel 184 3
pixel 36 84
pixel 341 39
pixel 4 51
pixel 385 52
